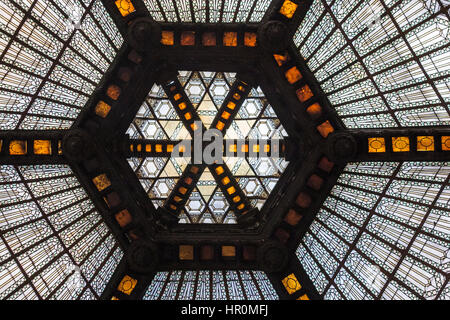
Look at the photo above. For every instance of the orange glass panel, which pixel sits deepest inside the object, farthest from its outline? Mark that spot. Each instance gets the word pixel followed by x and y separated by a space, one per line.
pixel 186 252
pixel 425 143
pixel 226 181
pixel 17 148
pixel 288 9
pixel 226 115
pixel 291 283
pixel 209 39
pixel 148 148
pixel 231 190
pixel 220 125
pixel 195 170
pixel 400 144
pixel 123 218
pixel 250 39
pixel 158 148
pixel 127 285
pixel 377 145
pixel 325 129
pixel 446 143
pixel 293 75
pixel 303 297
pixel 188 116
pixel 42 147
pixel 304 93
pixel 281 59
pixel 194 126
pixel 241 206
pixel 182 106
pixel 293 217
pixel 169 147
pixel 177 198
pixel 228 251
pixel 139 148
pixel 236 199
pixel 113 92
pixel 125 7
pixel 237 96
pixel 177 96
pixel 102 109
pixel 188 38
pixel 101 182
pixel 230 39
pixel 231 105
pixel 183 190
pixel 314 111
pixel 167 38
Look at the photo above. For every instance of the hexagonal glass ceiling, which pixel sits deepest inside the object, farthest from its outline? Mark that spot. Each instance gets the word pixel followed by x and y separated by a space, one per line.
pixel 157 119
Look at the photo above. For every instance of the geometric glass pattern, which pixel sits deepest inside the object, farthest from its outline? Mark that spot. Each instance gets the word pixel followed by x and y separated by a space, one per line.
pixel 53 55
pixel 215 11
pixel 157 119
pixel 210 285
pixel 383 233
pixel 53 242
pixel 381 63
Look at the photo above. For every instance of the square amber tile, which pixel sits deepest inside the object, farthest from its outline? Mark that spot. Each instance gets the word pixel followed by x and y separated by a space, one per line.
pixel 186 252
pixel 42 147
pixel 325 129
pixel 18 147
pixel 127 285
pixel 291 284
pixel 230 39
pixel 425 143
pixel 288 9
pixel 125 7
pixel 102 182
pixel 102 109
pixel 188 38
pixel 446 143
pixel 377 145
pixel 228 251
pixel 167 38
pixel 250 39
pixel 209 39
pixel 293 75
pixel 123 218
pixel 400 144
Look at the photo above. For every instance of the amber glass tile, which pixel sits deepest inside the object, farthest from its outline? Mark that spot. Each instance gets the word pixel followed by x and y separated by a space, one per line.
pixel 123 218
pixel 220 125
pixel 186 252
pixel 304 93
pixel 446 143
pixel 315 182
pixel 288 9
pixel 230 39
pixel 231 105
pixel 127 285
pixel 281 59
pixel 102 109
pixel 325 164
pixel 125 7
pixel 102 182
pixel 17 147
pixel 377 145
pixel 228 251
pixel 293 75
pixel 314 111
pixel 113 92
pixel 291 283
pixel 250 39
pixel 167 38
pixel 231 190
pixel 209 39
pixel 303 297
pixel 425 143
pixel 293 217
pixel 195 169
pixel 325 129
pixel 219 170
pixel 400 144
pixel 148 148
pixel 42 147
pixel 303 200
pixel 188 38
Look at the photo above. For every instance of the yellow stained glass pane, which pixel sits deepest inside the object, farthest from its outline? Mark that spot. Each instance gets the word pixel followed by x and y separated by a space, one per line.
pixel 17 148
pixel 291 283
pixel 42 147
pixel 102 182
pixel 167 38
pixel 256 148
pixel 241 206
pixel 102 109
pixel 425 143
pixel 139 148
pixel 148 148
pixel 288 9
pixel 169 147
pixel 182 106
pixel 220 125
pixel 231 105
pixel 314 110
pixel 293 75
pixel 177 96
pixel 446 143
pixel 231 190
pixel 188 116
pixel 226 181
pixel 244 148
pixel 230 39
pixel 186 252
pixel 377 145
pixel 114 298
pixel 226 115
pixel 250 39
pixel 233 148
pixel 219 170
pixel 125 7
pixel 127 285
pixel 303 297
pixel 158 148
pixel 236 199
pixel 400 144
